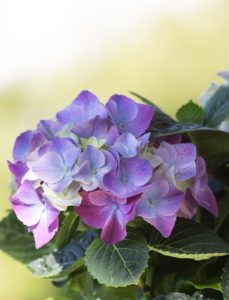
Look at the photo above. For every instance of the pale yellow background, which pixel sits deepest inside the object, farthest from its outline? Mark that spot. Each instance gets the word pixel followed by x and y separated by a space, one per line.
pixel 166 50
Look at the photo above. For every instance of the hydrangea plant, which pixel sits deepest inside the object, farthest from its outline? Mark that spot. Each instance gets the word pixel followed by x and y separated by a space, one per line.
pixel 122 201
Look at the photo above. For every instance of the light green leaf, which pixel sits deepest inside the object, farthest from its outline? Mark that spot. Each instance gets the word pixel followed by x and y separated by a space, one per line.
pixel 190 240
pixel 191 112
pixel 181 296
pixel 17 242
pixel 217 107
pixel 225 281
pixel 67 229
pixel 120 264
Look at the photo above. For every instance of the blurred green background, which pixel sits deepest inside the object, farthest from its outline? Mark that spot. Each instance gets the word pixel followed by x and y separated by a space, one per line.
pixel 166 50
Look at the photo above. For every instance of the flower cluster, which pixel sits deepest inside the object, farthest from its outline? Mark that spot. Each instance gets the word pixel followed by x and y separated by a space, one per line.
pixel 98 159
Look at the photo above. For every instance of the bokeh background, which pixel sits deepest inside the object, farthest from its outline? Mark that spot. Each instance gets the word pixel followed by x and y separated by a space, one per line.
pixel 166 50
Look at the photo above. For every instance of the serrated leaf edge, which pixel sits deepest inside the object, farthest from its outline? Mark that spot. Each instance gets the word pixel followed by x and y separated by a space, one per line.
pixel 114 286
pixel 193 256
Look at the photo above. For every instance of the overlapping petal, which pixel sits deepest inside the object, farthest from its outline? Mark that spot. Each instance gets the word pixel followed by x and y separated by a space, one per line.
pixel 128 115
pixel 159 205
pixel 34 211
pixel 85 107
pixel 100 209
pixel 200 192
pixel 129 178
pixel 56 163
pixel 93 165
pixel 176 162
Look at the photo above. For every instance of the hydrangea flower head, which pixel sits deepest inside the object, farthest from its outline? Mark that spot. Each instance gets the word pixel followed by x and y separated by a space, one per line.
pixel 99 159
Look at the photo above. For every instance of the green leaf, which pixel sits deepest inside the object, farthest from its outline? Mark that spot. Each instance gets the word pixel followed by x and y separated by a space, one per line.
pixel 191 112
pixel 190 240
pixel 213 145
pixel 181 296
pixel 223 206
pixel 88 288
pixel 225 281
pixel 124 293
pixel 174 296
pixel 67 229
pixel 217 107
pixel 207 276
pixel 120 264
pixel 17 242
pixel 64 261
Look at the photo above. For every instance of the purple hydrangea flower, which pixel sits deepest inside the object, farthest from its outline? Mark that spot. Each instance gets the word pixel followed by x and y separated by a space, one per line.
pixel 49 128
pixel 199 193
pixel 128 115
pixel 85 107
pixel 18 169
pixel 102 129
pixel 25 143
pixel 175 162
pixel 93 164
pixel 128 145
pixel 33 210
pixel 159 205
pixel 56 163
pixel 100 209
pixel 129 178
pixel 68 197
pixel 98 159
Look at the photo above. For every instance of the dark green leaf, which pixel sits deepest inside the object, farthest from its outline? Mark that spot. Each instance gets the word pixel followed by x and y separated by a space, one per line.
pixel 17 242
pixel 213 145
pixel 207 275
pixel 225 281
pixel 191 112
pixel 217 107
pixel 223 206
pixel 177 128
pixel 67 229
pixel 190 240
pixel 120 264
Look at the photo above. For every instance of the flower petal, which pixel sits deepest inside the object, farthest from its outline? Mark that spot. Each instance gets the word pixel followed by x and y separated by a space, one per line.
pixel 26 194
pixel 28 214
pixel 92 215
pixel 164 225
pixel 113 232
pixel 142 121
pixel 84 108
pixel 46 228
pixel 49 167
pixel 22 145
